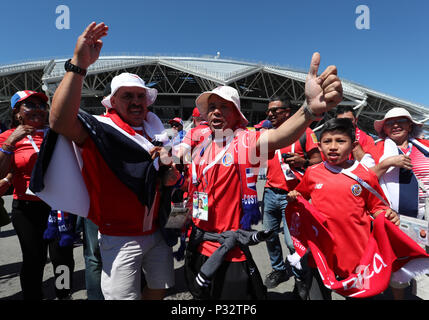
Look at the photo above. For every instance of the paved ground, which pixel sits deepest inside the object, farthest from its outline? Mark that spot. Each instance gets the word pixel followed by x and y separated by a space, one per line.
pixel 10 263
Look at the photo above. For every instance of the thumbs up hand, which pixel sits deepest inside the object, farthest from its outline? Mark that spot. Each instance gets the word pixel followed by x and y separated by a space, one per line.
pixel 322 92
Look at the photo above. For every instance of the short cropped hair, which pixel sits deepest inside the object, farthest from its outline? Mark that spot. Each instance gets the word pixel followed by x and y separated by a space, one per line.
pixel 345 109
pixel 343 125
pixel 284 100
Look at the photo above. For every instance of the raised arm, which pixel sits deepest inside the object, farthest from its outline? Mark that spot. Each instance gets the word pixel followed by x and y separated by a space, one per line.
pixel 399 161
pixel 66 101
pixel 322 93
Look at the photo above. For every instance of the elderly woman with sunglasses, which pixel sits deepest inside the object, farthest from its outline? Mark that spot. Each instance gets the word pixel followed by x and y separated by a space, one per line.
pixel 19 149
pixel 402 165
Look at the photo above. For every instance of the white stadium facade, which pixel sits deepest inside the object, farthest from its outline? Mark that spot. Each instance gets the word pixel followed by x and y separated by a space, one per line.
pixel 179 80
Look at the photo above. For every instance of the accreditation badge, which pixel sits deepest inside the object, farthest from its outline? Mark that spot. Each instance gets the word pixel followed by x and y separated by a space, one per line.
pixel 287 172
pixel 200 206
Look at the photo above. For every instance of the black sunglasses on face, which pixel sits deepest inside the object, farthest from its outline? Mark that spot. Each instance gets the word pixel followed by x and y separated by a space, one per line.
pixel 275 110
pixel 30 105
pixel 390 123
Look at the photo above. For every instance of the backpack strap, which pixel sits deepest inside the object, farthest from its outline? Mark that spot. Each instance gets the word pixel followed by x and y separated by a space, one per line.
pixel 303 143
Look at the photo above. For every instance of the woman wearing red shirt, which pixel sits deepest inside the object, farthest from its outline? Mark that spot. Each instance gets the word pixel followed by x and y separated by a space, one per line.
pixel 19 148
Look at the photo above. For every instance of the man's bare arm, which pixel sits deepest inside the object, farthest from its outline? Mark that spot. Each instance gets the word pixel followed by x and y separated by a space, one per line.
pixel 66 101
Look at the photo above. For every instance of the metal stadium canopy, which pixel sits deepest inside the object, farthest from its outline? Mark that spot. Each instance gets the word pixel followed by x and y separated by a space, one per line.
pixel 179 80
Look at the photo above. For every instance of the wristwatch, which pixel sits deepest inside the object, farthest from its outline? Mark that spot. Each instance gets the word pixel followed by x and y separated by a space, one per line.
pixel 311 115
pixel 70 67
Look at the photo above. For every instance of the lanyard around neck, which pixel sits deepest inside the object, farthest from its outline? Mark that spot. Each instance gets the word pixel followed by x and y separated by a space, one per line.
pixel 30 138
pixel 195 180
pixel 365 185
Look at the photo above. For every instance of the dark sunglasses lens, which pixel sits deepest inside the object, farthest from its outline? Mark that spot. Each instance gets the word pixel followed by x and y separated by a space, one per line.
pixel 399 121
pixel 31 105
pixel 274 110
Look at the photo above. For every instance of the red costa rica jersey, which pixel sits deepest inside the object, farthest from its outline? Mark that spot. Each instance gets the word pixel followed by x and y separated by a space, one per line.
pixel 113 206
pixel 346 205
pixel 23 161
pixel 222 184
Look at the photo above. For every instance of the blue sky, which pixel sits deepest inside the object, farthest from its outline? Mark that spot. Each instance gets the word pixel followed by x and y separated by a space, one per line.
pixel 391 57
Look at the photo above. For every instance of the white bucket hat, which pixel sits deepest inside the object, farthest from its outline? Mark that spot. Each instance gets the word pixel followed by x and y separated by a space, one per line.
pixel 395 113
pixel 129 80
pixel 225 92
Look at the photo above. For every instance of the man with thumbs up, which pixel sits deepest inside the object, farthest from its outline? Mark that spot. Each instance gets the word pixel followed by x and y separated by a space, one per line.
pixel 222 176
pixel 225 212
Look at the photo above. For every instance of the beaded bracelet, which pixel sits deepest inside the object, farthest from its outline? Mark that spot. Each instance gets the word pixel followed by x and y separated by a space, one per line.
pixel 6 152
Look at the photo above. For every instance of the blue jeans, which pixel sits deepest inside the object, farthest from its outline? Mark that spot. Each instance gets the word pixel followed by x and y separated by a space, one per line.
pixel 274 207
pixel 91 252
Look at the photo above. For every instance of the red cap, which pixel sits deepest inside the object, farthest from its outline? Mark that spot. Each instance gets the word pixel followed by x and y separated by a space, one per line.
pixel 259 125
pixel 178 120
pixel 196 113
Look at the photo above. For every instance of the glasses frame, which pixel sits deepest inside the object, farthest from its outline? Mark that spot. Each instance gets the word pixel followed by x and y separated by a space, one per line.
pixel 392 122
pixel 33 106
pixel 276 111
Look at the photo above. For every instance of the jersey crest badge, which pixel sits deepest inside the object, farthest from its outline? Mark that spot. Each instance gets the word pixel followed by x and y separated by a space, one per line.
pixel 227 160
pixel 356 190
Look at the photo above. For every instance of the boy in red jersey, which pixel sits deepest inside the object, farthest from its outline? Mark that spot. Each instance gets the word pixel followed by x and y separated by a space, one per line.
pixel 347 204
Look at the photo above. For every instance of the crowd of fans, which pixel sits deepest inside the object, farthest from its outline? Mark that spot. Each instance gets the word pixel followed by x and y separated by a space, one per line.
pixel 142 193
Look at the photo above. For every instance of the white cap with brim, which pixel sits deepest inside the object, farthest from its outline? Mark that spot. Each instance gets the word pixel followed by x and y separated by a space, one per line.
pixel 225 92
pixel 129 80
pixel 394 113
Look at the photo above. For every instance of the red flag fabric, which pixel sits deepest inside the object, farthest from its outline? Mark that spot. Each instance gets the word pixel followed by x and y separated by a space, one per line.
pixel 388 250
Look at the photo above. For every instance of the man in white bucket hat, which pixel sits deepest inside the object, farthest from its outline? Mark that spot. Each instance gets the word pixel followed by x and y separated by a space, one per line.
pixel 124 182
pixel 124 86
pixel 224 180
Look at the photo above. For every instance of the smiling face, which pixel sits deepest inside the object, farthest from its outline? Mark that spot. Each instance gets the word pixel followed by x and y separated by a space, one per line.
pixel 33 112
pixel 130 103
pixel 398 129
pixel 336 146
pixel 277 113
pixel 222 114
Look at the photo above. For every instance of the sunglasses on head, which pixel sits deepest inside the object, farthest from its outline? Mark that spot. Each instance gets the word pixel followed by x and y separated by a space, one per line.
pixel 391 122
pixel 34 106
pixel 275 110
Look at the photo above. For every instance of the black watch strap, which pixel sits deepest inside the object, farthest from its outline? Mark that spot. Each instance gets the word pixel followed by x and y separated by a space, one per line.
pixel 70 67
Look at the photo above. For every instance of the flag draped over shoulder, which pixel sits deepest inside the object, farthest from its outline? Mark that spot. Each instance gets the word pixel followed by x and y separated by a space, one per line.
pixel 388 250
pixel 128 159
pixel 400 185
pixel 131 163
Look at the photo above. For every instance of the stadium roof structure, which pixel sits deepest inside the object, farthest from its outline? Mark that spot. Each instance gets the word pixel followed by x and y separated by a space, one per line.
pixel 179 80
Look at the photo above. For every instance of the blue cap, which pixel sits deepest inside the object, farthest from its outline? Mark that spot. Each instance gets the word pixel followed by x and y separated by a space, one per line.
pixel 267 124
pixel 22 95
